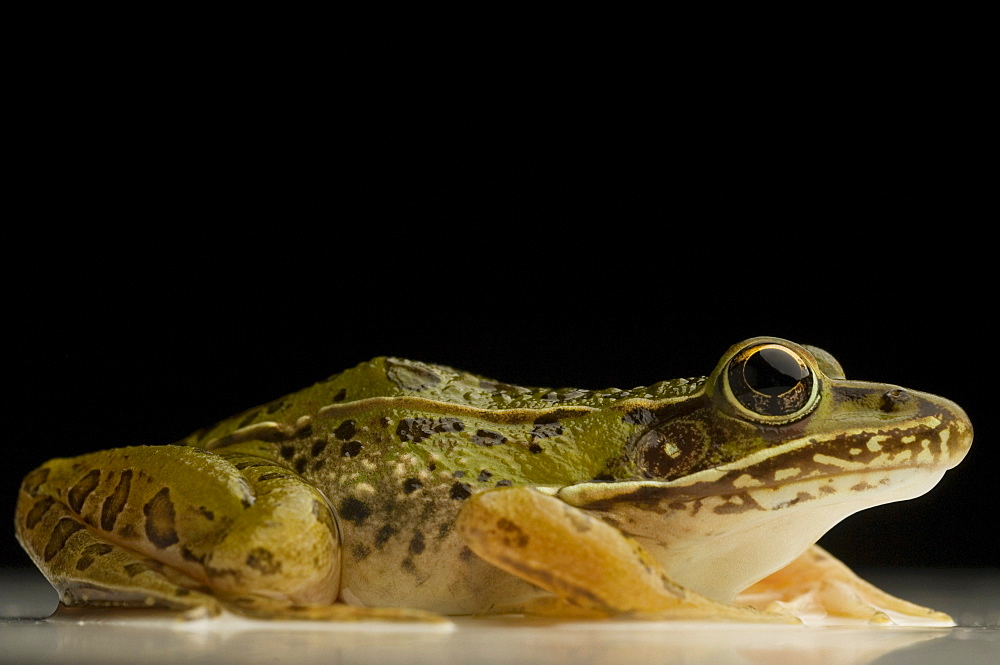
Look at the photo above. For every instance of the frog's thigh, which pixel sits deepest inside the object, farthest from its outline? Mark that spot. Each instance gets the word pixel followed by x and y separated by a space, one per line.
pixel 580 558
pixel 204 520
pixel 818 583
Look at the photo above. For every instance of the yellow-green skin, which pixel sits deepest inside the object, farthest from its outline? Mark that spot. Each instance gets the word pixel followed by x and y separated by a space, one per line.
pixel 362 477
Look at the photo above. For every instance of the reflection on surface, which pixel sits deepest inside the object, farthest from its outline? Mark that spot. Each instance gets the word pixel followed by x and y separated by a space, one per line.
pixel 107 637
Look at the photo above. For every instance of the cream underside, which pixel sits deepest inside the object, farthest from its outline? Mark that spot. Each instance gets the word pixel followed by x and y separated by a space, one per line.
pixel 720 554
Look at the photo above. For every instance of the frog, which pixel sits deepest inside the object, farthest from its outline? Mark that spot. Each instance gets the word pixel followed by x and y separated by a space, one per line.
pixel 401 490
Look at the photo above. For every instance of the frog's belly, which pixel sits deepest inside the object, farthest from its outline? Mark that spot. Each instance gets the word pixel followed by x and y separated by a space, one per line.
pixel 445 578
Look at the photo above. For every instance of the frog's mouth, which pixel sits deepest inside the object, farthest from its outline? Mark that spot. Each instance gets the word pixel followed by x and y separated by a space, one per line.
pixel 719 530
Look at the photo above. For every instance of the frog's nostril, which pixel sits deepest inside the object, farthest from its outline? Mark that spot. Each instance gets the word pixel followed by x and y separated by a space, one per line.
pixel 893 399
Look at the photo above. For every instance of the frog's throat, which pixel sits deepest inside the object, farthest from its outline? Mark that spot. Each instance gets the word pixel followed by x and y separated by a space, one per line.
pixel 722 529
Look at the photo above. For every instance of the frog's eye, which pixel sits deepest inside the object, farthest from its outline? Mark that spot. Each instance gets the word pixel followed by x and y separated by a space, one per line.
pixel 772 382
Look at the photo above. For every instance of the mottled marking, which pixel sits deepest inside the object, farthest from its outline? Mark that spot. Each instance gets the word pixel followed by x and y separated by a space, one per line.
pixel 160 517
pixel 460 473
pixel 273 475
pixel 248 418
pixel 34 480
pixel 114 504
pixel 350 449
pixel 545 430
pixel 484 476
pixel 738 503
pixel 444 528
pixel 415 430
pixel 485 437
pixel 251 464
pixel 318 447
pixel 411 485
pixel 417 543
pixel 318 464
pixel 384 534
pixel 275 405
pixel 862 486
pixel 262 560
pixel 300 465
pixel 341 395
pixel 82 489
pixel 534 448
pixel 354 511
pixel 465 554
pixel 38 511
pixel 64 528
pixel 360 551
pixel 407 566
pixel 345 431
pixel 513 536
pixel 504 483
pixel 287 451
pixel 460 491
pixel 90 553
pixel 305 431
pixel 134 569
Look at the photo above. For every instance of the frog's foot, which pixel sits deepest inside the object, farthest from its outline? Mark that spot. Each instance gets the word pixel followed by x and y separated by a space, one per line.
pixel 259 607
pixel 591 567
pixel 816 584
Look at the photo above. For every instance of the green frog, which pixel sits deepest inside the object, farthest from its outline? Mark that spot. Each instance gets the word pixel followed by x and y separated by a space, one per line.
pixel 401 490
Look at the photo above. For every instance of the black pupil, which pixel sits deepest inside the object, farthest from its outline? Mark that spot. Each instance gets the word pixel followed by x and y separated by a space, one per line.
pixel 773 372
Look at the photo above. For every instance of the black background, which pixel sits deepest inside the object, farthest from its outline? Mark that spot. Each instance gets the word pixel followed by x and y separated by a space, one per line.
pixel 184 248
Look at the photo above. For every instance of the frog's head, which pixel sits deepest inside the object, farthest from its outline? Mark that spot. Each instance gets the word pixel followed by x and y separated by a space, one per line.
pixel 776 449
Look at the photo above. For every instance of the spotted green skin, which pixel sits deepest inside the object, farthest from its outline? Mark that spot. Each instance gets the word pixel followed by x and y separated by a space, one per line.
pixel 377 462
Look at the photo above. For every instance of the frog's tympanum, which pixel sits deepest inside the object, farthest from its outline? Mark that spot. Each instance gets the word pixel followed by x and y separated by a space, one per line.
pixel 400 490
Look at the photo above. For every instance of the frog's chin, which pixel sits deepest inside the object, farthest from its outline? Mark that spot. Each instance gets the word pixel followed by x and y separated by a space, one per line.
pixel 719 545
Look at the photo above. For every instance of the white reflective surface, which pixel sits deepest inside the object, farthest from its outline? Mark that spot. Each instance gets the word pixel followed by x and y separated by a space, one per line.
pixel 972 597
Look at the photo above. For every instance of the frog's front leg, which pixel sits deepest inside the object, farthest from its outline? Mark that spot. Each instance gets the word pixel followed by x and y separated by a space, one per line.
pixel 584 561
pixel 185 529
pixel 817 583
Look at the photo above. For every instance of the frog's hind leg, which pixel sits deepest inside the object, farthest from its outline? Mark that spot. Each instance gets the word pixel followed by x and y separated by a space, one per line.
pixel 181 528
pixel 818 584
pixel 591 567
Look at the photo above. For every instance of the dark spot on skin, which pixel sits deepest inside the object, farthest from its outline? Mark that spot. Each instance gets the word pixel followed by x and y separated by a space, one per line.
pixel 275 405
pixel 862 486
pixel 534 448
pixel 304 432
pixel 288 452
pixel 249 418
pixel 272 476
pixel 38 511
pixel 182 592
pixel 350 449
pixel 460 491
pixel 90 553
pixel 354 511
pixel 383 535
pixel 513 535
pixel 407 565
pixel 250 464
pixel 206 513
pixel 318 447
pixel 134 569
pixel 411 485
pixel 458 474
pixel 485 437
pixel 128 531
pixel 432 466
pixel 417 543
pixel 444 529
pixel 345 430
pixel 318 464
pixel 159 512
pixel 82 489
pixel 465 554
pixel 341 395
pixel 360 552
pixel 639 417
pixel 115 503
pixel 415 430
pixel 188 555
pixel 34 480
pixel 263 560
pixel 505 483
pixel 64 528
pixel 384 421
pixel 826 489
pixel 546 430
pixel 300 464
pixel 484 476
